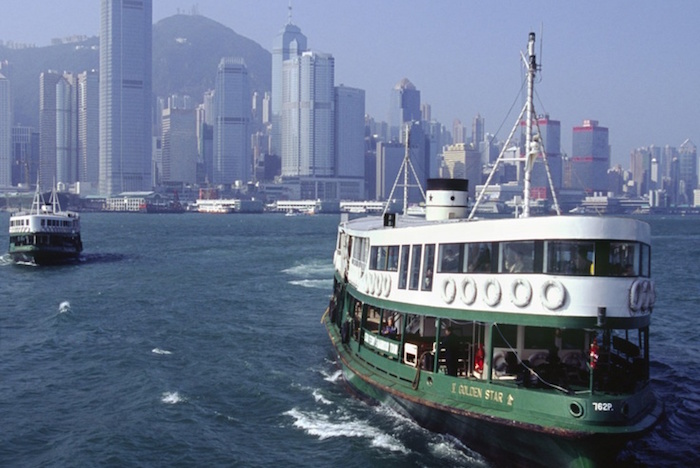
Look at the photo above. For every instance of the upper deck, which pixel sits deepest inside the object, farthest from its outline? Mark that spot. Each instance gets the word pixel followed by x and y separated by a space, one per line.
pixel 564 267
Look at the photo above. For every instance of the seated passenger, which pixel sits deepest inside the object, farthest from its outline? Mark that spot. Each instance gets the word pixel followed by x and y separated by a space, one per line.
pixel 389 329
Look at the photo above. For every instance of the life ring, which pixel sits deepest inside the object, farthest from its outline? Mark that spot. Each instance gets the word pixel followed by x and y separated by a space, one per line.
pixel 370 283
pixel 556 300
pixel 386 285
pixel 378 284
pixel 636 296
pixel 492 292
pixel 467 291
pixel 520 284
pixel 449 290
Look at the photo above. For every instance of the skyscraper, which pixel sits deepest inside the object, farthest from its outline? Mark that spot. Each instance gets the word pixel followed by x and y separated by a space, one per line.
pixel 289 43
pixel 5 132
pixel 66 130
pixel 308 115
pixel 590 157
pixel 179 144
pixel 47 128
pixel 349 132
pixel 687 171
pixel 25 155
pixel 88 128
pixel 403 107
pixel 125 96
pixel 232 107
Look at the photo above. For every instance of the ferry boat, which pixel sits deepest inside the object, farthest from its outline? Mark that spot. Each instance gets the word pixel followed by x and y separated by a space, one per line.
pixel 45 234
pixel 527 338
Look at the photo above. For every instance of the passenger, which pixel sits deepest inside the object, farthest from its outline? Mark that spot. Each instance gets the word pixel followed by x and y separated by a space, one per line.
pixel 428 280
pixel 582 266
pixel 451 346
pixel 479 359
pixel 514 261
pixel 480 261
pixel 389 329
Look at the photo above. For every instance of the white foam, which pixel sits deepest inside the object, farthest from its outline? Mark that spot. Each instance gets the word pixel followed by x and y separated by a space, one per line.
pixel 64 307
pixel 334 377
pixel 317 268
pixel 323 284
pixel 323 427
pixel 172 398
pixel 160 351
pixel 320 398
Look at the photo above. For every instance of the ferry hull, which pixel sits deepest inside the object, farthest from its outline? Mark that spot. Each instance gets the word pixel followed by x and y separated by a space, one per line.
pixel 44 255
pixel 501 442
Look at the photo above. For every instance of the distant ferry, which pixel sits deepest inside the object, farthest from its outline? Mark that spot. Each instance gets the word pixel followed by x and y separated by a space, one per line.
pixel 46 234
pixel 526 338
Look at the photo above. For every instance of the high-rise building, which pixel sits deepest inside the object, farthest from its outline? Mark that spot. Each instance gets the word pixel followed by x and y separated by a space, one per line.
pixel 390 157
pixel 231 158
pixel 349 132
pixel 179 145
pixel 308 115
pixel 590 157
pixel 289 43
pixel 5 132
pixel 403 107
pixel 687 171
pixel 125 96
pixel 66 130
pixel 477 131
pixel 88 128
pixel 459 132
pixel 47 128
pixel 25 155
pixel 550 139
pixel 463 162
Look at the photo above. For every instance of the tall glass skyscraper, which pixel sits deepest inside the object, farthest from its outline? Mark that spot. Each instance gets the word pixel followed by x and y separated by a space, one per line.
pixel 590 157
pixel 308 112
pixel 5 133
pixel 47 128
pixel 289 43
pixel 404 107
pixel 232 110
pixel 125 96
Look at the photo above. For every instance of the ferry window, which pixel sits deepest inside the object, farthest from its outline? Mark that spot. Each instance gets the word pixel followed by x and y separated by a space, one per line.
pixel 451 258
pixel 539 337
pixel 570 257
pixel 624 260
pixel 646 260
pixel 518 257
pixel 415 266
pixel 505 336
pixel 428 265
pixel 377 260
pixel 403 274
pixel 392 263
pixel 479 257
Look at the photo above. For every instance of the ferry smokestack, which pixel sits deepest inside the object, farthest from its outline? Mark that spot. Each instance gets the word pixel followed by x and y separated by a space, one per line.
pixel 446 199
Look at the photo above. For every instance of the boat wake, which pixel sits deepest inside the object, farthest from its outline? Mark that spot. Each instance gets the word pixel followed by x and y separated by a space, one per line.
pixel 313 275
pixel 326 426
pixel 324 284
pixel 160 351
pixel 101 258
pixel 172 398
pixel 64 307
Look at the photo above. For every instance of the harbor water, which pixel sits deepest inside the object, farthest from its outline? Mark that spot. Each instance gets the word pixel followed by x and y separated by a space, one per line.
pixel 194 340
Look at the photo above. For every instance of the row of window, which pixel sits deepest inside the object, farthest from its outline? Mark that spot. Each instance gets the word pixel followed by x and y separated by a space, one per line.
pixel 44 222
pixel 416 263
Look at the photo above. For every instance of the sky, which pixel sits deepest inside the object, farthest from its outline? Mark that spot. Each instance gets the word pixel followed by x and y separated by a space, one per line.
pixel 632 65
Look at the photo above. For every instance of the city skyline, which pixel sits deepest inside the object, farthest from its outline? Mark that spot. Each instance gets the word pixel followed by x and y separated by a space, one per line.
pixel 624 64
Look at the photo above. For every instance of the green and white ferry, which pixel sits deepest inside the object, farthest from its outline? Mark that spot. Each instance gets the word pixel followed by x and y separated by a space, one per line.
pixel 527 338
pixel 46 234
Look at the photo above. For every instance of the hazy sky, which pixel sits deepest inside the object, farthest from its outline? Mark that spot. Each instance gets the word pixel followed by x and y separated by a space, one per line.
pixel 632 65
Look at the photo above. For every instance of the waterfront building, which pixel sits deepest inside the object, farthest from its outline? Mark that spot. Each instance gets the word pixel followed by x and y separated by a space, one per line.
pixel 25 155
pixel 289 43
pixel 390 156
pixel 89 128
pixel 125 96
pixel 66 130
pixel 687 171
pixel 461 161
pixel 404 106
pixel 47 128
pixel 232 107
pixel 5 132
pixel 308 115
pixel 349 132
pixel 550 138
pixel 179 146
pixel 590 157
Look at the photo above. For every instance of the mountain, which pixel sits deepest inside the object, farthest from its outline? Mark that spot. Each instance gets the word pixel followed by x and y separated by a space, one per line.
pixel 186 52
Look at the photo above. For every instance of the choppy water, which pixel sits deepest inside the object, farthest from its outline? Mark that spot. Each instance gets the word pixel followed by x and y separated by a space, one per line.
pixel 195 340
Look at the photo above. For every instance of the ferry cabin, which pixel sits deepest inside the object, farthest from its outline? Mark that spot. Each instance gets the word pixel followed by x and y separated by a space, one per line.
pixel 486 309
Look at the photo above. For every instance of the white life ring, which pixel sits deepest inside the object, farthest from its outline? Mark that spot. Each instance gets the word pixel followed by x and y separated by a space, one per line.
pixel 370 283
pixel 467 291
pixel 378 284
pixel 524 298
pixel 386 286
pixel 449 290
pixel 492 292
pixel 553 301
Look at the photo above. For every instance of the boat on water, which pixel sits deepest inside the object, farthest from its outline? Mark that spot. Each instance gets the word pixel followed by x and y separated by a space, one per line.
pixel 45 234
pixel 527 338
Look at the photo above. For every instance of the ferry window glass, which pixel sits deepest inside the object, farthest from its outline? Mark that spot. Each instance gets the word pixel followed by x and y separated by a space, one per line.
pixel 381 257
pixel 403 273
pixel 518 257
pixel 428 265
pixel 646 260
pixel 392 263
pixel 479 257
pixel 415 266
pixel 570 257
pixel 505 336
pixel 624 260
pixel 539 338
pixel 451 258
